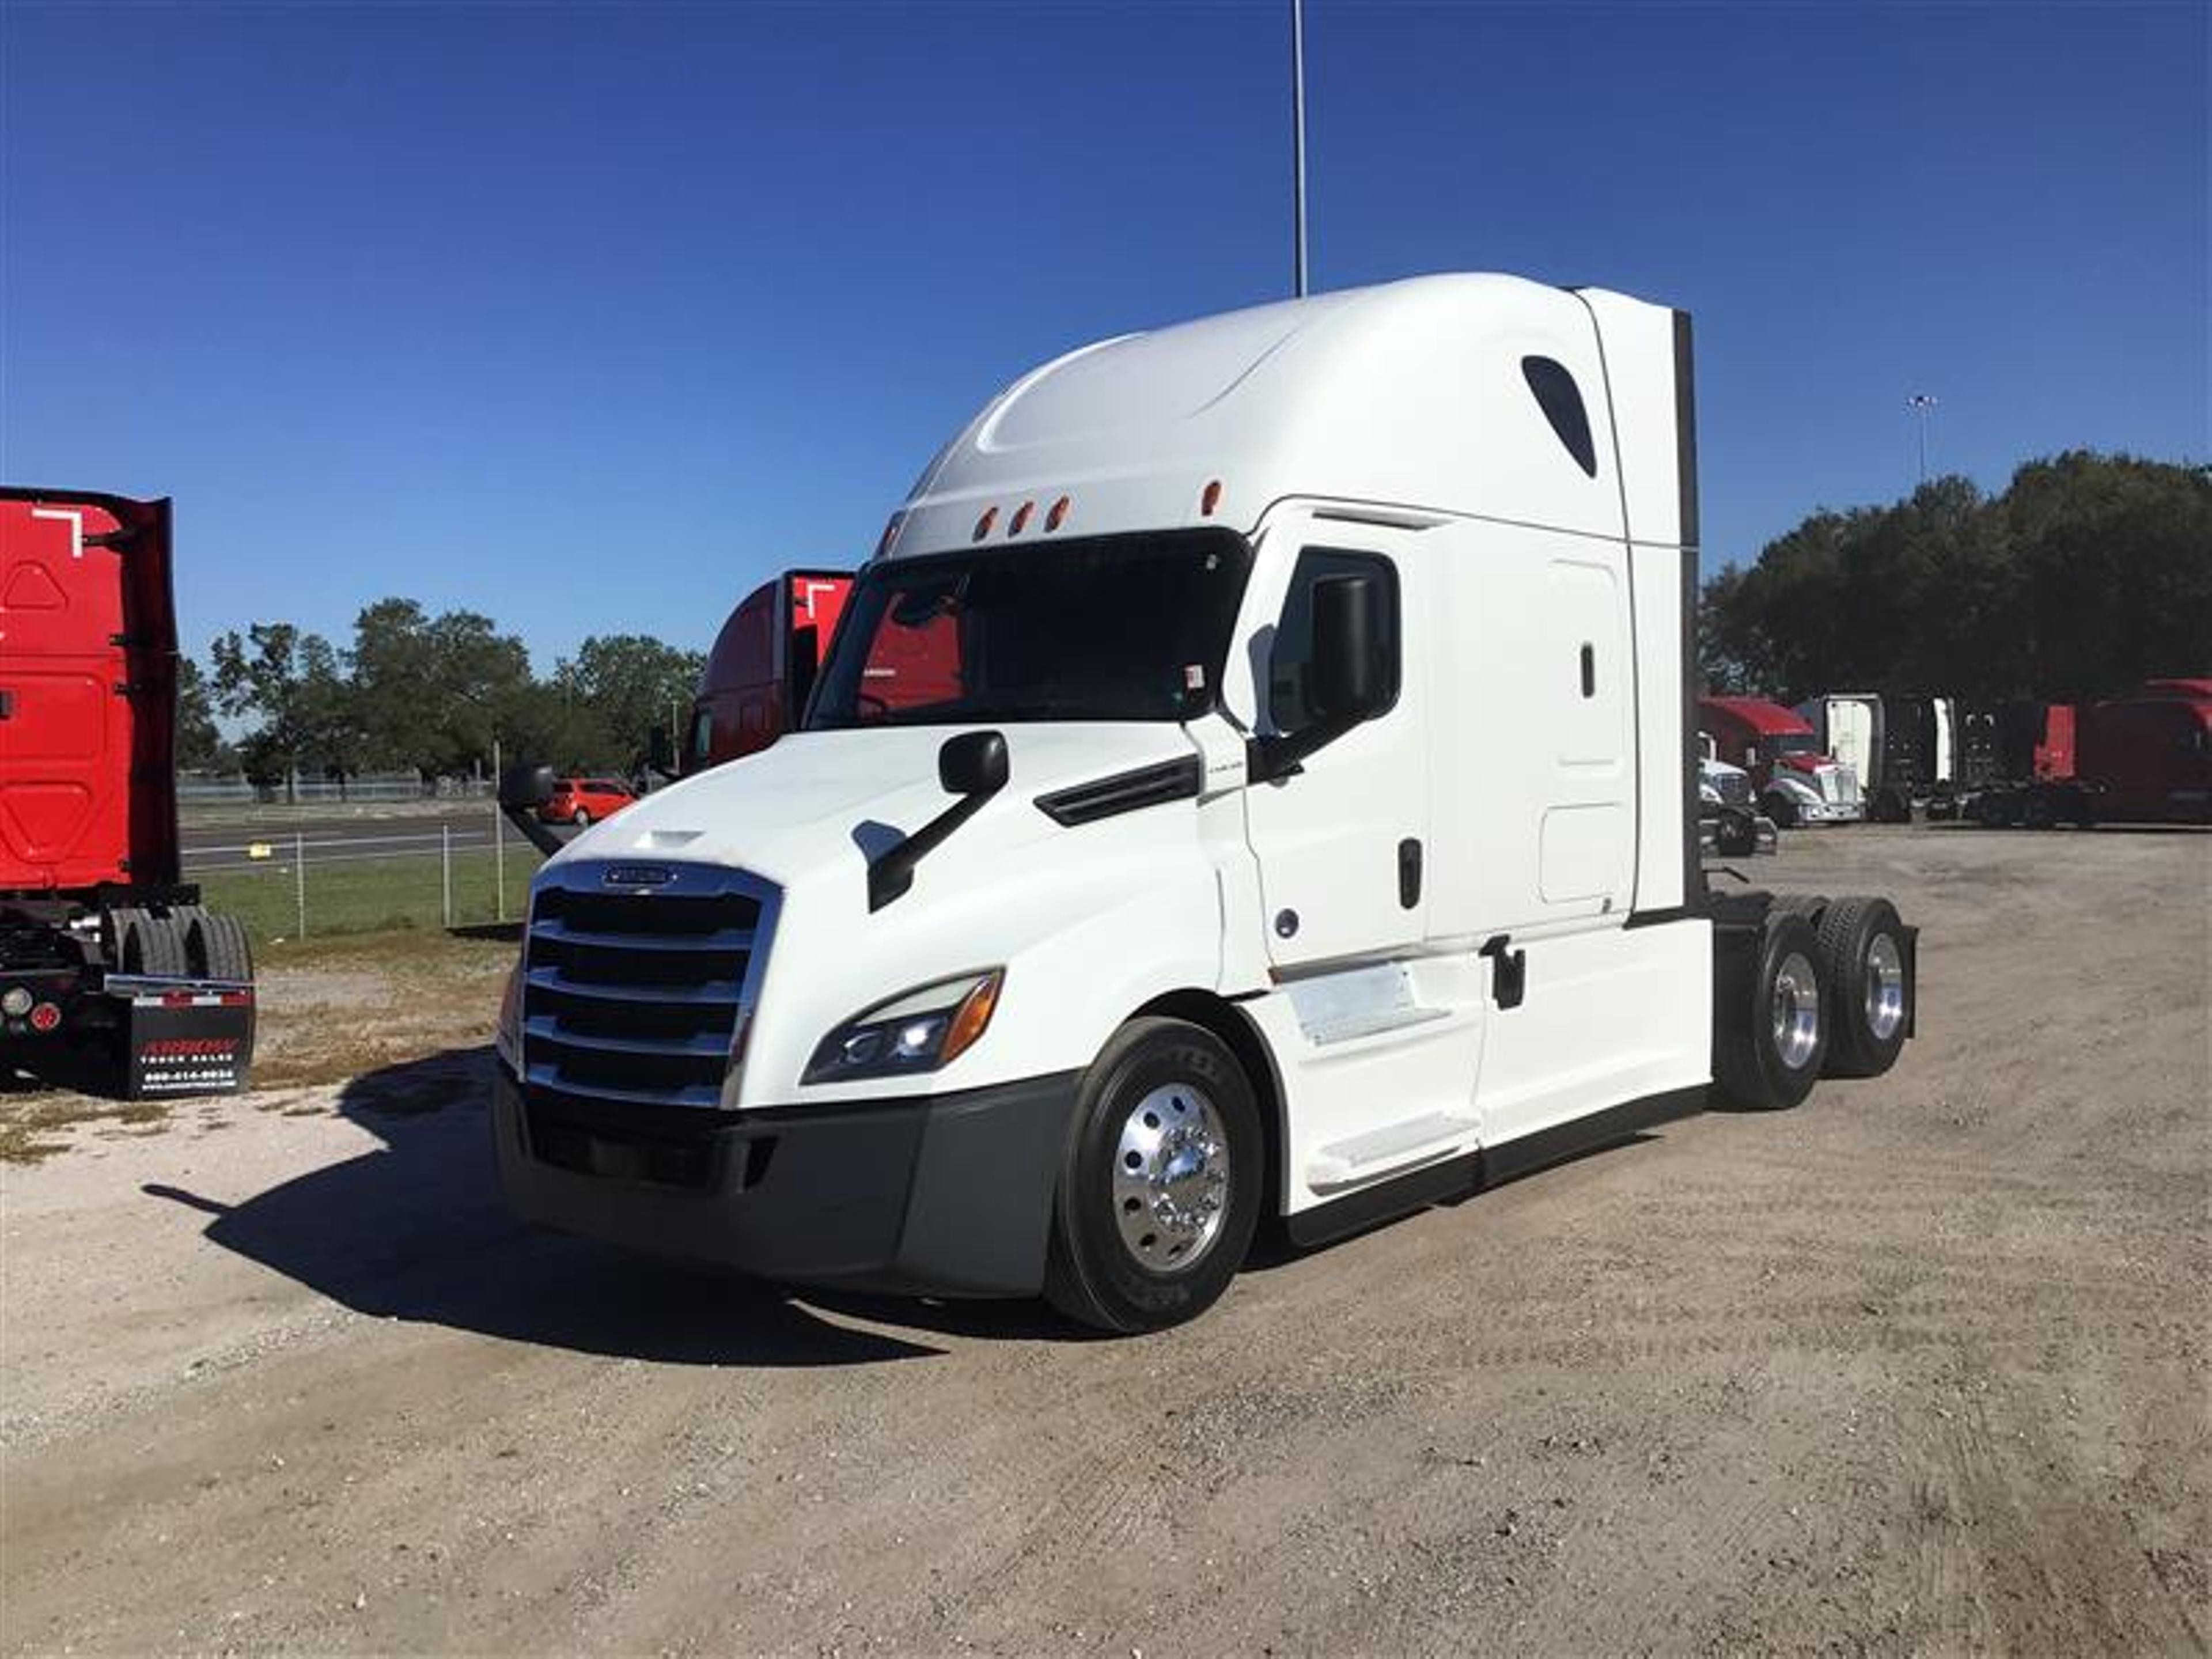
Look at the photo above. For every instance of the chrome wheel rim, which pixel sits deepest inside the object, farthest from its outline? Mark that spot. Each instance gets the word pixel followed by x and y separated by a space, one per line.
pixel 1885 988
pixel 1797 1011
pixel 1172 1178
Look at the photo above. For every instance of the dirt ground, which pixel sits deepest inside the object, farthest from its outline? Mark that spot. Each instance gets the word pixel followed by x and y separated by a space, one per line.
pixel 1921 1366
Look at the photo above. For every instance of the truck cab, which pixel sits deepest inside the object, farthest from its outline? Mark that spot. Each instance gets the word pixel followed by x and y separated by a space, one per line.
pixel 1798 781
pixel 761 669
pixel 1297 818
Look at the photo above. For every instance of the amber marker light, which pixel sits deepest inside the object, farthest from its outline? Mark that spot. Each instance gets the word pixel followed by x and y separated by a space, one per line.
pixel 1209 498
pixel 973 1015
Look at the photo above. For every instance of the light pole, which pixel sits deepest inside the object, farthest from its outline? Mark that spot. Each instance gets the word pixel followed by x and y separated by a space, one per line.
pixel 1298 144
pixel 1921 403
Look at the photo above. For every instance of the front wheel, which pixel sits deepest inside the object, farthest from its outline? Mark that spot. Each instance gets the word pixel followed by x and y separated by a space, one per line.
pixel 1781 808
pixel 581 818
pixel 1160 1183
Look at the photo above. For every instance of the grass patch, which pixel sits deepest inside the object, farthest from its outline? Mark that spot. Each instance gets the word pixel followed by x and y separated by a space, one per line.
pixel 369 896
pixel 25 1125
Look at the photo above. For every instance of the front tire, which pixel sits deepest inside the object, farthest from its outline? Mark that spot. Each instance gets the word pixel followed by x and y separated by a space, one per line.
pixel 1780 807
pixel 1159 1187
pixel 581 818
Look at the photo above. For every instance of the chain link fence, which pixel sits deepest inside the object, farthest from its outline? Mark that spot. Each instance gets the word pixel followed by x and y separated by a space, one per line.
pixel 383 874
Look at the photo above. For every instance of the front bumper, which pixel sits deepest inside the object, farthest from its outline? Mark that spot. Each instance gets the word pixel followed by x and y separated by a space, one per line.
pixel 950 1194
pixel 1831 812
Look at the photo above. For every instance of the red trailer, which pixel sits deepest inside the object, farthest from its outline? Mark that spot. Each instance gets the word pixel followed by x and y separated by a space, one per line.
pixel 110 967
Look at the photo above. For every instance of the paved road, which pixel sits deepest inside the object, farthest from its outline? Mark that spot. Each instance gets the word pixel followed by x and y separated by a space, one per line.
pixel 1919 1367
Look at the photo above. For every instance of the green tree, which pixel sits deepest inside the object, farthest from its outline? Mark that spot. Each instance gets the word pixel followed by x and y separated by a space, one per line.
pixel 200 747
pixel 289 684
pixel 2089 573
pixel 629 683
pixel 432 690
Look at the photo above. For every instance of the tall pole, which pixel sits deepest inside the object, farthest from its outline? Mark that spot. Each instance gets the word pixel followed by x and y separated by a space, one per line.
pixel 498 843
pixel 1920 403
pixel 1298 139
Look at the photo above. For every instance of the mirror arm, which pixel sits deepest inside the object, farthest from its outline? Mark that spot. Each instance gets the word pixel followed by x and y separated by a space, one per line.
pixel 1273 755
pixel 891 872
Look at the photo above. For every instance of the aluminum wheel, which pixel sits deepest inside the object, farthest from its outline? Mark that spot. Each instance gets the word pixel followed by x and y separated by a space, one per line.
pixel 1797 1011
pixel 1172 1178
pixel 1885 988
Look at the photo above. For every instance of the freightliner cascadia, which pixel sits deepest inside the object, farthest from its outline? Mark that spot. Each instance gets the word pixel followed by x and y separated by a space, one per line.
pixel 112 972
pixel 1306 826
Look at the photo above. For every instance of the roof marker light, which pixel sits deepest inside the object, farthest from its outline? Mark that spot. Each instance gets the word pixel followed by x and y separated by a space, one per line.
pixel 1021 519
pixel 983 524
pixel 1058 516
pixel 1209 498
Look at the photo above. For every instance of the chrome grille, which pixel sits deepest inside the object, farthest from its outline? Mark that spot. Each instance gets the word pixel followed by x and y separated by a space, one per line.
pixel 1733 787
pixel 637 980
pixel 1839 784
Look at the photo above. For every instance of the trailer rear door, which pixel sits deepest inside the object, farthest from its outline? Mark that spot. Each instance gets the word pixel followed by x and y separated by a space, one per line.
pixel 87 680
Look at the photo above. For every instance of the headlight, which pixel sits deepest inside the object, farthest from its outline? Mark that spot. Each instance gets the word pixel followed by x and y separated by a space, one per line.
pixel 917 1032
pixel 508 1038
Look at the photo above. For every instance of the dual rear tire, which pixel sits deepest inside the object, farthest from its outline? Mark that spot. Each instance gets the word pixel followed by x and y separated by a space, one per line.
pixel 1824 987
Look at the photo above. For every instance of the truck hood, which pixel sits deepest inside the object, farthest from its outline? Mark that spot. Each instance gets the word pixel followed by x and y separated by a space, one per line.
pixel 1809 764
pixel 819 801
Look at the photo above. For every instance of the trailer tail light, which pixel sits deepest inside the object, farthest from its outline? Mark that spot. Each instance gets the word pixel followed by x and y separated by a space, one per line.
pixel 1058 515
pixel 44 1018
pixel 1209 498
pixel 15 1001
pixel 1021 519
pixel 983 524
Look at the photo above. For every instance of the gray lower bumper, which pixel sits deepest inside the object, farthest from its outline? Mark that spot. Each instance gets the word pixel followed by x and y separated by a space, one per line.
pixel 947 1193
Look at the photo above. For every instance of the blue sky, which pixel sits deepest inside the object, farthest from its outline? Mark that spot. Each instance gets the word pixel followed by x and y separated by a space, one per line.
pixel 589 316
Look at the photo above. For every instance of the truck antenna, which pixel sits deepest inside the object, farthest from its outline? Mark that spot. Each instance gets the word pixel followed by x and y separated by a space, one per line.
pixel 1298 143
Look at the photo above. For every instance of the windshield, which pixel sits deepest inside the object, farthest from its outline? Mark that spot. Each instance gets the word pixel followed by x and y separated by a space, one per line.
pixel 1114 627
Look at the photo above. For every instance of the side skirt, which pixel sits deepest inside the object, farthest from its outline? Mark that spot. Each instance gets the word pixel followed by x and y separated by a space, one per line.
pixel 1460 1177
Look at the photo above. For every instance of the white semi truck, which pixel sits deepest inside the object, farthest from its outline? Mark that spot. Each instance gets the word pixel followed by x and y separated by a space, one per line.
pixel 1303 823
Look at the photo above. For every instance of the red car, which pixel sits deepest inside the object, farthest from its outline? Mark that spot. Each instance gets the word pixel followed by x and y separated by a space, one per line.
pixel 586 800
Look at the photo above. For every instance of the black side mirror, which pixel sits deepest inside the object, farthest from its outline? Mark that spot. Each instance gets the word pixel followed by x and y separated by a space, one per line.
pixel 660 750
pixel 973 763
pixel 972 766
pixel 1347 681
pixel 525 788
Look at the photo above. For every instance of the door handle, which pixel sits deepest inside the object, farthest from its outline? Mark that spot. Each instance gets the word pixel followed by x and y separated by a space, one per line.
pixel 1409 873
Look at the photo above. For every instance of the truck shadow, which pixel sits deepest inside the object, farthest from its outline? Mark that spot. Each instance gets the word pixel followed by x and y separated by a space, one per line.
pixel 415 1230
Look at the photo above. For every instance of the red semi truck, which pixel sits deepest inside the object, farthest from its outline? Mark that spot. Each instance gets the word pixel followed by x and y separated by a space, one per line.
pixel 763 666
pixel 2143 758
pixel 762 669
pixel 112 972
pixel 1797 783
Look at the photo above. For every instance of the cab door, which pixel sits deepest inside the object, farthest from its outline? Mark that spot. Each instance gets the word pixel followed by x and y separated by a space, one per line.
pixel 1341 844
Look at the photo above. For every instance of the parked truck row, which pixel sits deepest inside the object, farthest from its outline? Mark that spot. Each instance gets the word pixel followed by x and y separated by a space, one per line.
pixel 2141 757
pixel 1254 779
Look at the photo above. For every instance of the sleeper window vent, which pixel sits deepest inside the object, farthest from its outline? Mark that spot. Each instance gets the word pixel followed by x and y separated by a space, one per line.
pixel 1561 400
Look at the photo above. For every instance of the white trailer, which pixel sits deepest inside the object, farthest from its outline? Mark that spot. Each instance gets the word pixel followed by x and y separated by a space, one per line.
pixel 1303 821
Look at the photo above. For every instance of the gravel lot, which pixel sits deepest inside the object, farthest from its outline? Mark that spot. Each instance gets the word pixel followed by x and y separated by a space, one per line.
pixel 1920 1366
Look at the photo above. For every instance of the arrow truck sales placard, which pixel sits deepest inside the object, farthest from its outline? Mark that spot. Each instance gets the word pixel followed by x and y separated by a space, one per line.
pixel 197 1041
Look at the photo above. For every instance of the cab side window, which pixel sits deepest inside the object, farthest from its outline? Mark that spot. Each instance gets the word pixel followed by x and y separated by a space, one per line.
pixel 1291 655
